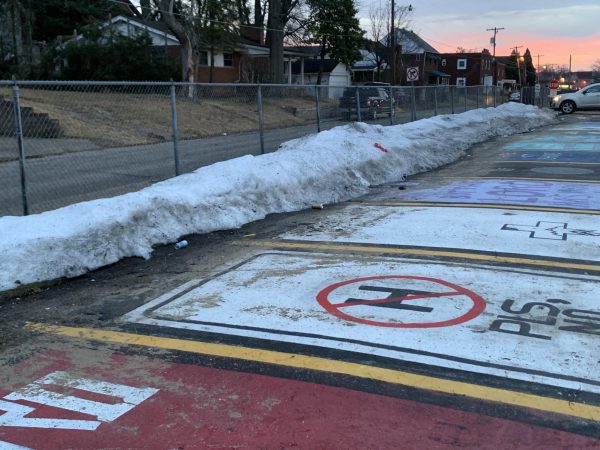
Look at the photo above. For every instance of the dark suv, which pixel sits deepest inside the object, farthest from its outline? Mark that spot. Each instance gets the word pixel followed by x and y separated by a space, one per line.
pixel 374 102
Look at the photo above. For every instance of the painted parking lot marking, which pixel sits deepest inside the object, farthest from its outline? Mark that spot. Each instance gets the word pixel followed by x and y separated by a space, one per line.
pixel 39 393
pixel 480 205
pixel 236 303
pixel 557 146
pixel 550 230
pixel 515 192
pixel 52 400
pixel 205 407
pixel 402 299
pixel 407 251
pixel 551 157
pixel 321 364
pixel 458 228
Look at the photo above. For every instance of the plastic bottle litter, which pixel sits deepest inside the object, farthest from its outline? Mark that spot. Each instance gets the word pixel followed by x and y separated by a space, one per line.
pixel 181 244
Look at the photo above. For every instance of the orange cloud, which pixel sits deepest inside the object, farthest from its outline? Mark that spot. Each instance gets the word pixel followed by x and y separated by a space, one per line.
pixel 555 50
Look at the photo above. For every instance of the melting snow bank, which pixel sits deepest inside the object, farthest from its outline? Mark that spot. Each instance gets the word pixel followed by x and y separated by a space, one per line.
pixel 328 167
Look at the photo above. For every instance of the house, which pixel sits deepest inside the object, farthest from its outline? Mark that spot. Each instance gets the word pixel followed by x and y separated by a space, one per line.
pixel 335 76
pixel 246 62
pixel 471 68
pixel 415 52
pixel 367 69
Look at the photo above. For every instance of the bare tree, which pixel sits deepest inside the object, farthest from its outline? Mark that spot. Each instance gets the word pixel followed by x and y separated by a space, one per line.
pixel 596 67
pixel 381 29
pixel 181 25
pixel 280 12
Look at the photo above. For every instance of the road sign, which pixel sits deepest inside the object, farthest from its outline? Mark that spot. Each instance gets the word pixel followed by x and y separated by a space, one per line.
pixel 412 74
pixel 554 84
pixel 408 307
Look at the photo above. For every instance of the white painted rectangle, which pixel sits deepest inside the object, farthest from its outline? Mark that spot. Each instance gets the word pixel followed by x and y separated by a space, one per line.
pixel 573 236
pixel 274 296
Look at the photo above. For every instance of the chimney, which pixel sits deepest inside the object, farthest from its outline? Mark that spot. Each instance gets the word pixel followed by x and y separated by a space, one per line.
pixel 254 33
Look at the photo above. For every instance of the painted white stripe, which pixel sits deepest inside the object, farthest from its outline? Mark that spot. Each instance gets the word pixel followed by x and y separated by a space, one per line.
pixel 37 392
pixel 8 446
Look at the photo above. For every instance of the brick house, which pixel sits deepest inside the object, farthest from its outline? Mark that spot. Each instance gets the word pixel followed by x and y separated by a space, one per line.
pixel 471 68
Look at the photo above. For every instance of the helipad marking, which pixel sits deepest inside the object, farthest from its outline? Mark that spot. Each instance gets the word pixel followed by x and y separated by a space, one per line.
pixel 458 388
pixel 283 287
pixel 400 299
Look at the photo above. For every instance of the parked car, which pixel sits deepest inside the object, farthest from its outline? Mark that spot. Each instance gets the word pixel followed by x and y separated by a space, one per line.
pixel 374 102
pixel 514 96
pixel 586 98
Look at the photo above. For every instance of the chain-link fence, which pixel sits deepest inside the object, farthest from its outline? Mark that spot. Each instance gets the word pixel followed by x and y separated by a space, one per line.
pixel 65 142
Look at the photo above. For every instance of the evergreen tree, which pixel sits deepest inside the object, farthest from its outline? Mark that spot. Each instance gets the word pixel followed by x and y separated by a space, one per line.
pixel 216 26
pixel 54 18
pixel 530 73
pixel 336 28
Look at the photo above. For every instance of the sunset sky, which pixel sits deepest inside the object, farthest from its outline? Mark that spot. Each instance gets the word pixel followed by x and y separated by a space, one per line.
pixel 554 29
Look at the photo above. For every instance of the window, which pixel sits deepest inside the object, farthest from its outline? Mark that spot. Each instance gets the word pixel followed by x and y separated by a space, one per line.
pixel 203 58
pixel 418 57
pixel 228 59
pixel 443 62
pixel 461 64
pixel 461 81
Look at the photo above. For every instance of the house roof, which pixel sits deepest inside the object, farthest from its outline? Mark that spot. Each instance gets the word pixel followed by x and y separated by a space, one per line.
pixel 437 73
pixel 368 61
pixel 313 65
pixel 411 42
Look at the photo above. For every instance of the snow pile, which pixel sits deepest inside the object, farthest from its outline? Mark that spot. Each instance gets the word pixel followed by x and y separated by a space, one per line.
pixel 328 167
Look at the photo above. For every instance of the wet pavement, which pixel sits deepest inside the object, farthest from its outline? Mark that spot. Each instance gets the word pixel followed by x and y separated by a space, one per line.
pixel 456 309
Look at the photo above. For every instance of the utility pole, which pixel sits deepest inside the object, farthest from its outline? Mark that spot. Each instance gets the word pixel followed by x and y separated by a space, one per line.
pixel 393 43
pixel 495 75
pixel 517 47
pixel 537 73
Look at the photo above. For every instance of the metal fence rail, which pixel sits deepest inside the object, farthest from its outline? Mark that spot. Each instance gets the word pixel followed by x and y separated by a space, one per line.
pixel 65 142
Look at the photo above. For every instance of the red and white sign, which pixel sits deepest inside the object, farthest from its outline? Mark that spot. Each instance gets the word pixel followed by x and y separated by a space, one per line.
pixel 402 300
pixel 554 84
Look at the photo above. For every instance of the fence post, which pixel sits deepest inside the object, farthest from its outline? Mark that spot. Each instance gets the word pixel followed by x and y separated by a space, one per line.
pixel 318 104
pixel 174 127
pixel 19 131
pixel 261 120
pixel 477 97
pixel 392 106
pixel 495 96
pixel 451 100
pixel 466 92
pixel 358 115
pixel 413 102
pixel 435 101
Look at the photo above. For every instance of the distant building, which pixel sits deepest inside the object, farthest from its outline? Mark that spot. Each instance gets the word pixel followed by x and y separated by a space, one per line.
pixel 471 68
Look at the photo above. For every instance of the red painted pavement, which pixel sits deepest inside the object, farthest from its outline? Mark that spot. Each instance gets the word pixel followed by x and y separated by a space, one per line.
pixel 199 407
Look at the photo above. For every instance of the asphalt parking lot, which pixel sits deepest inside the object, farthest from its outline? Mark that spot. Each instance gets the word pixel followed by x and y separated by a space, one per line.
pixel 454 309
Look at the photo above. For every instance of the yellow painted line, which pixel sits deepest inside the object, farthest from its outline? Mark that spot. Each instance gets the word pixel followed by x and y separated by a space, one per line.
pixel 321 246
pixel 482 205
pixel 458 388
